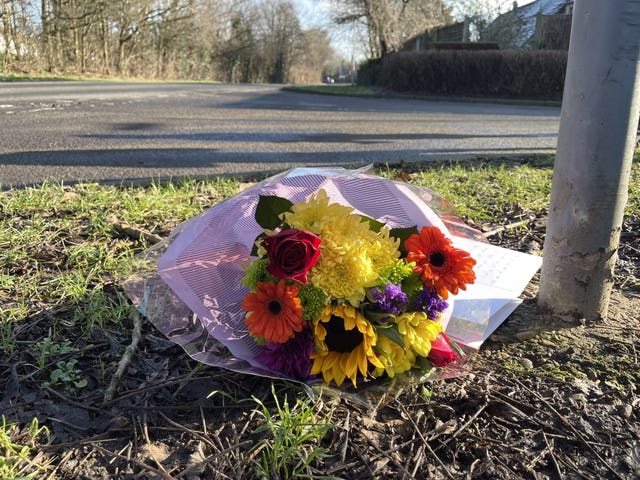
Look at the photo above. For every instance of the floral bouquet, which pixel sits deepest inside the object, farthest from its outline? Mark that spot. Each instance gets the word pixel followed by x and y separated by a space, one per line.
pixel 315 275
pixel 342 295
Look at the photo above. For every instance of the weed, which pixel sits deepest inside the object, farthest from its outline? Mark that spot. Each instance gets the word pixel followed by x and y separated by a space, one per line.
pixel 47 347
pixel 68 375
pixel 291 442
pixel 17 448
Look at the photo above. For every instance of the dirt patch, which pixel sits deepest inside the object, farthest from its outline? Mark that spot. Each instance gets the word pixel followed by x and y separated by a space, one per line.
pixel 545 398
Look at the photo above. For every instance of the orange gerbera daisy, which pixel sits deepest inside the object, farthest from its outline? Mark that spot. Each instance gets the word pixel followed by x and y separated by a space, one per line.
pixel 273 311
pixel 439 264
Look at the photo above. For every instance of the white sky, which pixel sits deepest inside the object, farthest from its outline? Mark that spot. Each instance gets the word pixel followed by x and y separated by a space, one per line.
pixel 318 13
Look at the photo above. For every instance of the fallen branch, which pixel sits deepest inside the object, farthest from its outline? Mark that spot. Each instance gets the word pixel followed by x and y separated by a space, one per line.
pixel 133 233
pixel 553 457
pixel 509 226
pixel 129 351
pixel 148 468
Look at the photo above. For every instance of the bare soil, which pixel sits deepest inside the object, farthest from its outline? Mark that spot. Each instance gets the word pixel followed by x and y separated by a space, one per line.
pixel 545 398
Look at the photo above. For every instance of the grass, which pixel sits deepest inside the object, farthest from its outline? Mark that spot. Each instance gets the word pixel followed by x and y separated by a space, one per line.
pixel 19 77
pixel 488 192
pixel 49 77
pixel 60 257
pixel 18 457
pixel 291 438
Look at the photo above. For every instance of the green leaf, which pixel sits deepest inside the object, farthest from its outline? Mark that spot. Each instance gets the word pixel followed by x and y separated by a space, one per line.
pixel 374 225
pixel 81 383
pixel 402 233
pixel 455 346
pixel 424 364
pixel 269 209
pixel 392 333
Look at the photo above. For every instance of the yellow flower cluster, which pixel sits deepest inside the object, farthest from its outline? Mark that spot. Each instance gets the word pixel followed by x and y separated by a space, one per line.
pixel 352 253
pixel 394 358
pixel 418 332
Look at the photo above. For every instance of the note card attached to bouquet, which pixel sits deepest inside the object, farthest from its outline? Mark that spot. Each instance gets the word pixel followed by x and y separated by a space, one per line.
pixel 501 276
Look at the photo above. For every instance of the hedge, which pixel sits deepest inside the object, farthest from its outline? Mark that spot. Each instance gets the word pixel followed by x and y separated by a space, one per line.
pixel 526 74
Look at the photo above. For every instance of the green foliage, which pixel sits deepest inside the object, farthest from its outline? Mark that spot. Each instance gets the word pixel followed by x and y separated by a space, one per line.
pixel 490 191
pixel 47 347
pixel 270 209
pixel 17 460
pixel 526 74
pixel 69 375
pixel 291 436
pixel 59 246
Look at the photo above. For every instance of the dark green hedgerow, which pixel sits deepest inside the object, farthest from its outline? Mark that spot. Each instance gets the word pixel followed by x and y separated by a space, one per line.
pixel 525 74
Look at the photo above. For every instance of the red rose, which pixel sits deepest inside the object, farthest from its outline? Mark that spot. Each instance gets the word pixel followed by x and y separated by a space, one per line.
pixel 292 253
pixel 441 352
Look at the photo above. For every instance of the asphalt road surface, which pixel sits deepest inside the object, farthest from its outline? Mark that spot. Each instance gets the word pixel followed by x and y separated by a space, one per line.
pixel 134 132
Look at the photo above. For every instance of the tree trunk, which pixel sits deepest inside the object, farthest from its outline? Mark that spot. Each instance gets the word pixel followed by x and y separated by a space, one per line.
pixel 598 126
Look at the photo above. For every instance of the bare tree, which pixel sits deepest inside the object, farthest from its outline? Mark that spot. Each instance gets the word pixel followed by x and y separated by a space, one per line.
pixel 280 37
pixel 236 48
pixel 232 40
pixel 389 23
pixel 314 53
pixel 15 31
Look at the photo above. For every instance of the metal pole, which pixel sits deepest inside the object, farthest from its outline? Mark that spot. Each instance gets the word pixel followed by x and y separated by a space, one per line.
pixel 599 119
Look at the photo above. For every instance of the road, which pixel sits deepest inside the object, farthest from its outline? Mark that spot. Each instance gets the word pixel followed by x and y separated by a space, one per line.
pixel 132 132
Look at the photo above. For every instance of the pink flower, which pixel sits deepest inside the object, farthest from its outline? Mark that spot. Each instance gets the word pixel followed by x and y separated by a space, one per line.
pixel 442 352
pixel 292 253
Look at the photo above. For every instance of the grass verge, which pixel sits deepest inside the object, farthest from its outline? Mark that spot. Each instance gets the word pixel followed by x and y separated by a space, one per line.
pixel 60 251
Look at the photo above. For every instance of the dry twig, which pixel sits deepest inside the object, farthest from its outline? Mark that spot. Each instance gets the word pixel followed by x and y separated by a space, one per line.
pixel 132 232
pixel 128 353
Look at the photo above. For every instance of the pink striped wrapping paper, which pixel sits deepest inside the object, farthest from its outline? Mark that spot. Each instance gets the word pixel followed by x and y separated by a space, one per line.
pixel 194 297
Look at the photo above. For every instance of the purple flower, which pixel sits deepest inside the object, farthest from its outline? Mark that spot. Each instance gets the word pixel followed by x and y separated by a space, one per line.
pixel 429 302
pixel 292 358
pixel 391 300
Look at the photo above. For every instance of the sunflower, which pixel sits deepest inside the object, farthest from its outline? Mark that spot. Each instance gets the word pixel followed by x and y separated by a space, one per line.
pixel 273 311
pixel 439 264
pixel 344 342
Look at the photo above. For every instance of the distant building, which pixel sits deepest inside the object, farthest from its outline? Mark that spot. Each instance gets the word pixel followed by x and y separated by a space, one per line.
pixel 540 24
pixel 453 36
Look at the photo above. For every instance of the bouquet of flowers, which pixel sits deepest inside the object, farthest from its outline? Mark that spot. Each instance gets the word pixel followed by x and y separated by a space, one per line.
pixel 339 294
pixel 313 274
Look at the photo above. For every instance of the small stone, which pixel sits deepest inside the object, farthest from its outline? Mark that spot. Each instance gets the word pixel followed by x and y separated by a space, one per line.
pixel 526 363
pixel 525 335
pixel 578 400
pixel 625 411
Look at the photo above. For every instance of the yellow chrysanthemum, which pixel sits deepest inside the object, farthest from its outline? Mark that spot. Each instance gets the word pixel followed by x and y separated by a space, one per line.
pixel 418 332
pixel 344 342
pixel 393 356
pixel 352 254
pixel 315 213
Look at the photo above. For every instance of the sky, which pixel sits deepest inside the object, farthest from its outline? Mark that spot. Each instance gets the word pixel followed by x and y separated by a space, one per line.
pixel 318 13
